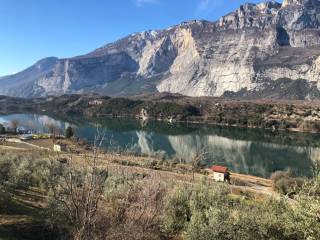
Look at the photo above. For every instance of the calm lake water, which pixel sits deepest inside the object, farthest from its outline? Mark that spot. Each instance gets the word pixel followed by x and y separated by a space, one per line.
pixel 250 151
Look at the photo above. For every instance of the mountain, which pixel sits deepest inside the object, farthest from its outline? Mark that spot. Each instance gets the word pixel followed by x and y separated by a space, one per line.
pixel 266 50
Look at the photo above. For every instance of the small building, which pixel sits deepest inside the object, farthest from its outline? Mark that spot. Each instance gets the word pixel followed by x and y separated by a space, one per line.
pixel 144 114
pixel 220 173
pixel 59 147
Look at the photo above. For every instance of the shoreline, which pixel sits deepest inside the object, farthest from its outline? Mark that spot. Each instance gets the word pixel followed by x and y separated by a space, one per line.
pixel 204 123
pixel 294 116
pixel 198 123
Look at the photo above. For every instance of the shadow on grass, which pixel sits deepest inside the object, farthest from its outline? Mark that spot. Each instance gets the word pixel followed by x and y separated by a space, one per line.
pixel 22 218
pixel 26 231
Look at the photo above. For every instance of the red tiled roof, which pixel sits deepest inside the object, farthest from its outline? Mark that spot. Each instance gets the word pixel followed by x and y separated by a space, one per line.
pixel 219 169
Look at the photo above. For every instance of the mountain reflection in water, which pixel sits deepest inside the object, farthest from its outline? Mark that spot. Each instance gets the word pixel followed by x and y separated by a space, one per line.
pixel 250 151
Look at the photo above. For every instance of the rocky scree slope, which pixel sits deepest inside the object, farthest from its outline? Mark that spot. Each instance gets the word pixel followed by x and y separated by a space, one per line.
pixel 266 50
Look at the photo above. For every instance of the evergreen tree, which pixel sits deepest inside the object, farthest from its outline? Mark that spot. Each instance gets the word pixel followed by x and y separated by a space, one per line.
pixel 2 129
pixel 69 132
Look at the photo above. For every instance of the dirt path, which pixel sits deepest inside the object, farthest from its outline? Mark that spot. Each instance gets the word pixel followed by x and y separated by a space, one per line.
pixel 16 144
pixel 35 146
pixel 4 147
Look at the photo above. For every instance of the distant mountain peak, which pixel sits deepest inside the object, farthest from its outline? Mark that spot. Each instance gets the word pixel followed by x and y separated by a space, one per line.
pixel 299 2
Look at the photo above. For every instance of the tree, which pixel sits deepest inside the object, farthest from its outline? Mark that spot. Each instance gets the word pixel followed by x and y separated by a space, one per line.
pixel 197 159
pixel 2 129
pixel 69 132
pixel 14 124
pixel 53 129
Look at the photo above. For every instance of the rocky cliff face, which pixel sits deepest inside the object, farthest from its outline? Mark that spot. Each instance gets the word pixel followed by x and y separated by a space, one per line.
pixel 259 50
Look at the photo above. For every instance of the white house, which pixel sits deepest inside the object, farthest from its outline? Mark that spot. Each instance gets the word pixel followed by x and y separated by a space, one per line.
pixel 220 173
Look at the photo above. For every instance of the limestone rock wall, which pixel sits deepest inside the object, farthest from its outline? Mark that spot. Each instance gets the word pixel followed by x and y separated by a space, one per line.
pixel 241 51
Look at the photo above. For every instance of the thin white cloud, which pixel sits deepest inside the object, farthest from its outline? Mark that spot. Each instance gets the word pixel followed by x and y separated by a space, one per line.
pixel 206 7
pixel 141 3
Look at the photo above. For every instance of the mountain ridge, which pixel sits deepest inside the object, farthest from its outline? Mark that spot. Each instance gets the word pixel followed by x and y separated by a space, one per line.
pixel 265 50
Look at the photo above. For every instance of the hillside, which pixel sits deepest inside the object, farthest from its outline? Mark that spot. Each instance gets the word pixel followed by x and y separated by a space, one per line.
pixel 266 50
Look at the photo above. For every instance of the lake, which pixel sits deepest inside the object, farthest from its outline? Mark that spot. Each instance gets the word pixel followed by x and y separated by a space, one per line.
pixel 250 151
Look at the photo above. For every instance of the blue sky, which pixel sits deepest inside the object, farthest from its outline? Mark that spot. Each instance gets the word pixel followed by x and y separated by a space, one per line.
pixel 34 29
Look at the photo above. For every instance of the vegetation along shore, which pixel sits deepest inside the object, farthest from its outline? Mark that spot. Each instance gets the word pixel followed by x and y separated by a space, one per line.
pixel 276 115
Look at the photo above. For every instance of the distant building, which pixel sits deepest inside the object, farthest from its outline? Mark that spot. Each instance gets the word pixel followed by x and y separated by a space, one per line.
pixel 95 102
pixel 220 173
pixel 59 147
